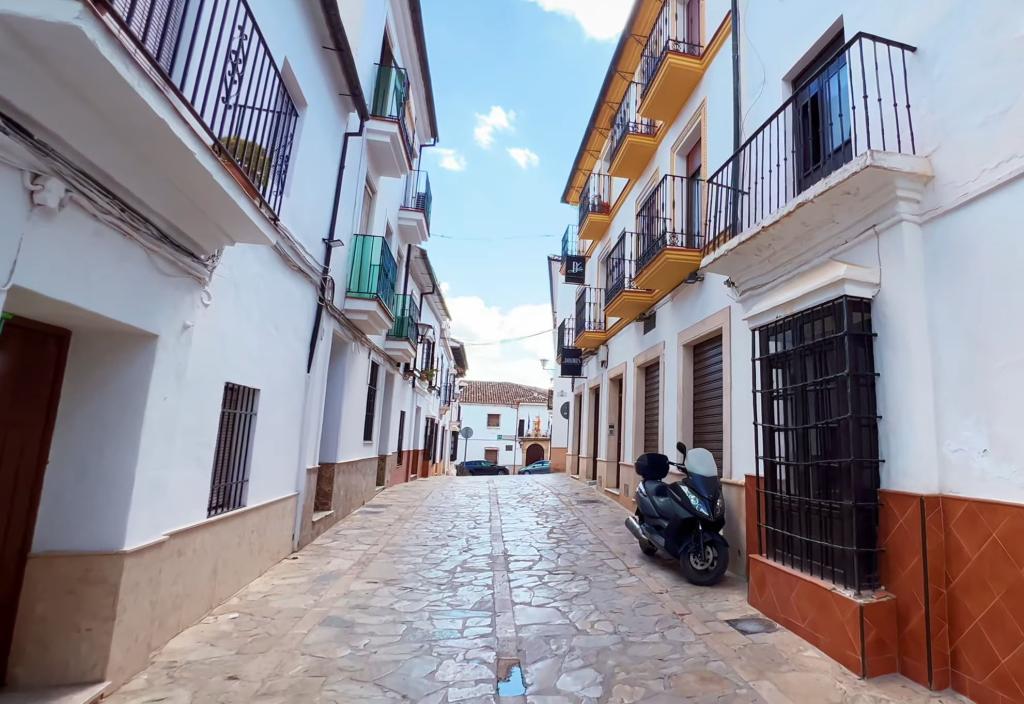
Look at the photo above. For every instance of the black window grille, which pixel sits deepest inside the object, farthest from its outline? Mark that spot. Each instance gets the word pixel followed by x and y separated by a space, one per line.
pixel 229 481
pixel 401 435
pixel 816 440
pixel 371 402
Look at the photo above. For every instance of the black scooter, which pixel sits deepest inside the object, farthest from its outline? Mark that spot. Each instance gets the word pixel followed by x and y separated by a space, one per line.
pixel 685 518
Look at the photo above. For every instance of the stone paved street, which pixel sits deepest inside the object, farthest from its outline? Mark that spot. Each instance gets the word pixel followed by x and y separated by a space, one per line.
pixel 435 588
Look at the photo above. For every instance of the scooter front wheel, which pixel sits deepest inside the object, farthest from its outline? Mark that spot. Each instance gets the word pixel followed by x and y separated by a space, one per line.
pixel 705 567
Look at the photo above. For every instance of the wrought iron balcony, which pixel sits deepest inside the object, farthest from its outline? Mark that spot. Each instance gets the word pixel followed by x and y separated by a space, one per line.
pixel 407 319
pixel 623 297
pixel 215 59
pixel 669 240
pixel 372 271
pixel 417 193
pixel 633 137
pixel 671 64
pixel 858 102
pixel 573 267
pixel 566 337
pixel 595 206
pixel 590 319
pixel 571 244
pixel 390 102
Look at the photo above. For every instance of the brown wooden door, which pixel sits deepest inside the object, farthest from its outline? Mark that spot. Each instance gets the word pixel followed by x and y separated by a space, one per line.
pixel 534 453
pixel 693 22
pixel 707 397
pixel 32 357
pixel 595 411
pixel 652 407
pixel 491 455
pixel 617 389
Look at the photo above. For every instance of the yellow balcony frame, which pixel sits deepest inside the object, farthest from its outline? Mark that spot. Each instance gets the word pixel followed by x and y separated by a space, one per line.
pixel 669 268
pixel 671 86
pixel 594 225
pixel 591 339
pixel 630 303
pixel 633 155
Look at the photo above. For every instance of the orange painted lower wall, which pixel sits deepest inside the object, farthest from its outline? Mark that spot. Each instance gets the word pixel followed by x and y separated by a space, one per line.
pixel 558 459
pixel 955 569
pixel 860 634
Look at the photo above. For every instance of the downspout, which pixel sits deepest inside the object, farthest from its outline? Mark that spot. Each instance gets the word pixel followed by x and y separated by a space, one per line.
pixel 329 243
pixel 737 118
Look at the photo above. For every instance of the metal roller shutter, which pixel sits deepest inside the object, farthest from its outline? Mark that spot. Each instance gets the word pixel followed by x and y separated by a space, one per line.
pixel 652 387
pixel 707 397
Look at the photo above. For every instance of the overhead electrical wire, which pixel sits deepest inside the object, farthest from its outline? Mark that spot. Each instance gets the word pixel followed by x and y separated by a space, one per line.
pixel 508 339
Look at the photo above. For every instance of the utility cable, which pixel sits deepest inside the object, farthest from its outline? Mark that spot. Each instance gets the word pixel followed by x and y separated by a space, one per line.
pixel 509 339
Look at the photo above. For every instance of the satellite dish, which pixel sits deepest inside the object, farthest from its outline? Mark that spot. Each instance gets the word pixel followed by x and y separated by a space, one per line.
pixel 564 410
pixel 466 432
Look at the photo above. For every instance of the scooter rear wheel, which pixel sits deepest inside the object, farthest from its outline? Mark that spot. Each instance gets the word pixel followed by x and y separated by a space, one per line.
pixel 707 567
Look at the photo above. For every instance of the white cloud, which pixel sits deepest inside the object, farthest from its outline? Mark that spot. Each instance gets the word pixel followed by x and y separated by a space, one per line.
pixel 451 159
pixel 519 361
pixel 524 157
pixel 497 120
pixel 600 19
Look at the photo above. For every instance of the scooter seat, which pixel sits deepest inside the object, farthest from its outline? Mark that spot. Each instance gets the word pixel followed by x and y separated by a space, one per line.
pixel 664 504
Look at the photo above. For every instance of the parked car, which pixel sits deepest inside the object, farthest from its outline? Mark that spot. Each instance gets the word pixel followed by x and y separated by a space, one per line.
pixel 479 468
pixel 538 467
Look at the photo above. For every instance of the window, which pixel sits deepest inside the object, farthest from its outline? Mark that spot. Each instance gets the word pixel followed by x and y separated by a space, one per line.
pixel 401 435
pixel 493 420
pixel 491 455
pixel 817 427
pixel 652 407
pixel 650 321
pixel 229 483
pixel 822 115
pixel 454 454
pixel 366 218
pixel 508 448
pixel 522 427
pixel 371 402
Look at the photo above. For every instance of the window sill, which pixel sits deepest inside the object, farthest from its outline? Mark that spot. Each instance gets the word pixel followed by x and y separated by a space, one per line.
pixel 321 515
pixel 614 492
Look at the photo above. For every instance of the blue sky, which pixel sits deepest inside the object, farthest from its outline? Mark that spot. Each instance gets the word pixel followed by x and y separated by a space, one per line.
pixel 514 84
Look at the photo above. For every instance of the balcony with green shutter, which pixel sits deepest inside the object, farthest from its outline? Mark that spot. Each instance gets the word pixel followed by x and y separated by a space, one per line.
pixel 404 333
pixel 370 300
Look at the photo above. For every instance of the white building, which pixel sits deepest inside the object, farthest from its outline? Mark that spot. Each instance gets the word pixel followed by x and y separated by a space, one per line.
pixel 511 423
pixel 220 328
pixel 843 225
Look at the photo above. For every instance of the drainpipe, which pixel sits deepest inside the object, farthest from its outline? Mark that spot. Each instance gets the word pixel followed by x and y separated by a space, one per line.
pixel 736 115
pixel 329 243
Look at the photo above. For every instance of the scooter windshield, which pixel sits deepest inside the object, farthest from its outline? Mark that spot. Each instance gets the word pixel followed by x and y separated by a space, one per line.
pixel 701 462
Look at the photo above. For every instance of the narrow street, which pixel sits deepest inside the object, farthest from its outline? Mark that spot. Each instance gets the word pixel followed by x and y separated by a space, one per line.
pixel 434 588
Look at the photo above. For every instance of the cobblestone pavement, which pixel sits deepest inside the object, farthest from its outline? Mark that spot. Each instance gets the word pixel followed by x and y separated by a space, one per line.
pixel 432 590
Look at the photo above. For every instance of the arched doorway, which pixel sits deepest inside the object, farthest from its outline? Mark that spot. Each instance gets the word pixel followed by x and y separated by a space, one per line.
pixel 533 453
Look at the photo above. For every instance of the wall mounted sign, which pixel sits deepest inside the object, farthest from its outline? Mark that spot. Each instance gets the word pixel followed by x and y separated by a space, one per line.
pixel 572 362
pixel 575 269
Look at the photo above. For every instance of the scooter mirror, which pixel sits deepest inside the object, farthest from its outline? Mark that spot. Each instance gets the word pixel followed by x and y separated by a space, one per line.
pixel 681 446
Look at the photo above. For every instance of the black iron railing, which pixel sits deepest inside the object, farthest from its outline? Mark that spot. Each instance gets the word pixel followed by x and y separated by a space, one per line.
pixel 566 337
pixel 858 101
pixel 571 244
pixel 407 318
pixel 391 102
pixel 215 58
pixel 620 266
pixel 669 217
pixel 372 270
pixel 672 31
pixel 417 193
pixel 816 442
pixel 589 310
pixel 628 121
pixel 596 196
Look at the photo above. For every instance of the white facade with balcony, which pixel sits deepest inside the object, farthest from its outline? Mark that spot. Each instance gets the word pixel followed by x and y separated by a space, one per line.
pixel 163 248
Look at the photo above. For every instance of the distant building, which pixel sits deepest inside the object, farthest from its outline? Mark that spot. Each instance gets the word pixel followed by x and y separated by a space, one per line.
pixel 511 423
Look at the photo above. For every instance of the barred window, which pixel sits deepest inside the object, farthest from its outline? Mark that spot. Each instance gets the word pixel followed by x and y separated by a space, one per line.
pixel 371 402
pixel 229 483
pixel 816 440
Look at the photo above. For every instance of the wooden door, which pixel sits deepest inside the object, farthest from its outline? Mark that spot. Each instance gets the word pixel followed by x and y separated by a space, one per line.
pixel 708 397
pixel 596 428
pixel 693 24
pixel 693 201
pixel 652 407
pixel 534 453
pixel 617 391
pixel 491 455
pixel 32 358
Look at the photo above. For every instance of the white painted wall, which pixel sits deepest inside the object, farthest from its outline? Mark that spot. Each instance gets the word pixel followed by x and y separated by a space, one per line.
pixel 509 454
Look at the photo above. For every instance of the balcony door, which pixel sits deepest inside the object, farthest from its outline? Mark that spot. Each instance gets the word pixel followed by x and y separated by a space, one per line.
pixel 821 116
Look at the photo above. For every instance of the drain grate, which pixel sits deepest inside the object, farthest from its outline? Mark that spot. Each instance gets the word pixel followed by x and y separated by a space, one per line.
pixel 752 624
pixel 589 501
pixel 510 678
